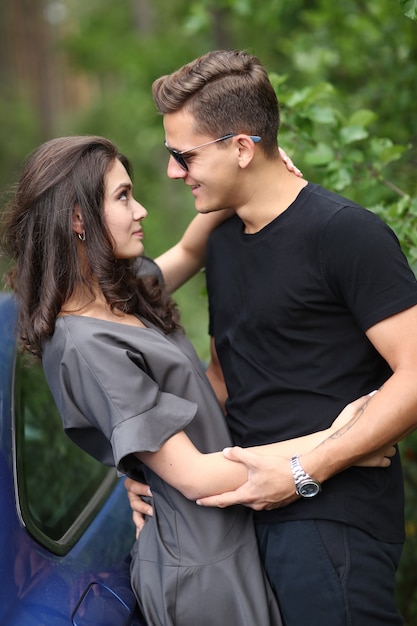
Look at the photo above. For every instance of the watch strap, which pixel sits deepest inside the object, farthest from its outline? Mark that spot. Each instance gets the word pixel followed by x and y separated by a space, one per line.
pixel 305 485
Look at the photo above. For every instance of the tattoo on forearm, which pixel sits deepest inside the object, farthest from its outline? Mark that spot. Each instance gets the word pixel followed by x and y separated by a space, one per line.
pixel 344 429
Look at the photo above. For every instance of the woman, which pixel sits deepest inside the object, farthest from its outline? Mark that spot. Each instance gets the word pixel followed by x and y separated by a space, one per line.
pixel 129 386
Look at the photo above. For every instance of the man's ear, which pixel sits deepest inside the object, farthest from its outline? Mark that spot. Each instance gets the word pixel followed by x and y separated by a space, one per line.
pixel 246 150
pixel 77 221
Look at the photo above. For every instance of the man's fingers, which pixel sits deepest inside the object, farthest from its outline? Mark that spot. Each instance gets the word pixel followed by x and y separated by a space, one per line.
pixel 221 501
pixel 136 492
pixel 139 522
pixel 137 488
pixel 235 454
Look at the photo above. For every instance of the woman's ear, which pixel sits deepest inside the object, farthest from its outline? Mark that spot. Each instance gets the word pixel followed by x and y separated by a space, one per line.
pixel 77 221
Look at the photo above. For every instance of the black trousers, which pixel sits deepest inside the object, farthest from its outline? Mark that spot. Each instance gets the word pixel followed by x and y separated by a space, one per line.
pixel 328 574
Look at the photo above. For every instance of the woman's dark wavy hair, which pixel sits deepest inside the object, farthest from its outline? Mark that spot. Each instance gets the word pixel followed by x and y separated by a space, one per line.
pixel 39 238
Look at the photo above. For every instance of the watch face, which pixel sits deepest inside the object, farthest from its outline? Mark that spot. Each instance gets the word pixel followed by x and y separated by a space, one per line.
pixel 309 488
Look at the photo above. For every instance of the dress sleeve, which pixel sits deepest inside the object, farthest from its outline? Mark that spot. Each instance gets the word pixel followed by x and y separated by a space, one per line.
pixel 110 404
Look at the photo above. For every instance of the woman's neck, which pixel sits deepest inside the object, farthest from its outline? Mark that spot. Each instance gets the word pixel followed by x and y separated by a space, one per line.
pixel 84 299
pixel 94 304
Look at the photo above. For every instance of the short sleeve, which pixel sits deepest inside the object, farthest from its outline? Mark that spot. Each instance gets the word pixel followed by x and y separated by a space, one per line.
pixel 110 404
pixel 364 264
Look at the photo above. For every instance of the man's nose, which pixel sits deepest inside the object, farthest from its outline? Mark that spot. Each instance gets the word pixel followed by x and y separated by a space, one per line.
pixel 174 169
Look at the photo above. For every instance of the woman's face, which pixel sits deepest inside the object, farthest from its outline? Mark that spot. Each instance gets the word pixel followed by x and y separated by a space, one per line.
pixel 123 215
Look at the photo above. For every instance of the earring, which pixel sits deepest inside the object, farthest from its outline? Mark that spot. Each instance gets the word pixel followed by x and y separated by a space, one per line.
pixel 81 236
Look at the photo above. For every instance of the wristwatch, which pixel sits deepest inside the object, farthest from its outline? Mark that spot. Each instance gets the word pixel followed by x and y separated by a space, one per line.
pixel 305 486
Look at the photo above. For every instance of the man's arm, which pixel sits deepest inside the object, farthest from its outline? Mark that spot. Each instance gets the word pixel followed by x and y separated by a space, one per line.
pixel 388 417
pixel 214 373
pixel 391 414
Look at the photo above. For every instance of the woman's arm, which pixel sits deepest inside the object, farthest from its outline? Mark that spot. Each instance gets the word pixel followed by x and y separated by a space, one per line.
pixel 187 257
pixel 195 475
pixel 136 490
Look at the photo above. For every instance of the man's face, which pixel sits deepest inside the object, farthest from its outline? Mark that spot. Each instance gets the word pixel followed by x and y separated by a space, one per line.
pixel 213 170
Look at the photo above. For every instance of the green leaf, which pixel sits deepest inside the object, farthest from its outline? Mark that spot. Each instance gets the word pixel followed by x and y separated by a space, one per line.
pixel 321 155
pixel 386 151
pixel 276 81
pixel 363 117
pixel 242 7
pixel 322 114
pixel 312 95
pixel 340 179
pixel 349 134
pixel 197 20
pixel 409 8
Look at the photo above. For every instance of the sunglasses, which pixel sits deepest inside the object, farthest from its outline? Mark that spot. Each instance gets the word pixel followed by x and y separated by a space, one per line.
pixel 181 160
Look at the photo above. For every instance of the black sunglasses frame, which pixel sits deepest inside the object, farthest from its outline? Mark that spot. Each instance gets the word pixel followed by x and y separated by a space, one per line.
pixel 179 156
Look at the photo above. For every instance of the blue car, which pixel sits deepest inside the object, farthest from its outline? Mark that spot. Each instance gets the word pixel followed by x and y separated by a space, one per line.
pixel 65 524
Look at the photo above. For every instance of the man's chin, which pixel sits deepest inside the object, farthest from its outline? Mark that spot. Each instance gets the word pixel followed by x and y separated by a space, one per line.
pixel 206 209
pixel 203 209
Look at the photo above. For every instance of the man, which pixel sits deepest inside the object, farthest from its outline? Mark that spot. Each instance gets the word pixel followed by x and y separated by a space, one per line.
pixel 312 304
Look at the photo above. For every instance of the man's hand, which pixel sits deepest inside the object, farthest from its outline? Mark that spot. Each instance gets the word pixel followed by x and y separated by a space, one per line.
pixel 270 484
pixel 135 492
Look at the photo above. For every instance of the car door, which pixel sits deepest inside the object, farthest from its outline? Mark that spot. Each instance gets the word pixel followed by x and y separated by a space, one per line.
pixel 65 526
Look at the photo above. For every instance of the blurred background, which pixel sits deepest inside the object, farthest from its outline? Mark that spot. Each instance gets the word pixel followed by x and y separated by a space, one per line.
pixel 345 75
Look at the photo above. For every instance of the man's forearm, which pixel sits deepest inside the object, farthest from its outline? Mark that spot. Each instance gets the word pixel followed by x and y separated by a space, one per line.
pixel 387 418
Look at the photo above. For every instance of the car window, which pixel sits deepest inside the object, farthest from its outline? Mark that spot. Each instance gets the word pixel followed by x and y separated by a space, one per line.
pixel 60 488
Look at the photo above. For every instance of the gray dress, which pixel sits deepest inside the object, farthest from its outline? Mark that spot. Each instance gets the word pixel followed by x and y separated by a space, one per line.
pixel 122 389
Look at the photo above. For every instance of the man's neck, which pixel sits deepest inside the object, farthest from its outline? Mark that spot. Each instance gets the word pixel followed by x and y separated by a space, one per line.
pixel 273 191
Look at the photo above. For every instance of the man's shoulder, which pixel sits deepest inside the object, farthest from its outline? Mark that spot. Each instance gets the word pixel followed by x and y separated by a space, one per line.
pixel 331 199
pixel 325 207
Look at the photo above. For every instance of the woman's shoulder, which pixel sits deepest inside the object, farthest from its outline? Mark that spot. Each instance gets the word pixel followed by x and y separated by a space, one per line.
pixel 89 328
pixel 85 343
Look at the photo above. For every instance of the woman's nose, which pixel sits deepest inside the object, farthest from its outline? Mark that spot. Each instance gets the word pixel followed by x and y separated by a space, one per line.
pixel 139 211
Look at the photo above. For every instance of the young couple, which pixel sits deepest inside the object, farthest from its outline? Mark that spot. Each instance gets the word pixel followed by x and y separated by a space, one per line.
pixel 312 304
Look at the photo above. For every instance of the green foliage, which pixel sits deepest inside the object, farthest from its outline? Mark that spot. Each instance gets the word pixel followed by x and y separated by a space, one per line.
pixel 338 147
pixel 410 8
pixel 19 135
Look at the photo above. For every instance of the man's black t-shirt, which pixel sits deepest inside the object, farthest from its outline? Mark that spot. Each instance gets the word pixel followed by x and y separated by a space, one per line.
pixel 289 307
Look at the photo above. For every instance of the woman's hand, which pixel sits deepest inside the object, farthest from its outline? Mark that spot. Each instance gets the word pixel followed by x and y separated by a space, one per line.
pixel 289 164
pixel 381 458
pixel 351 412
